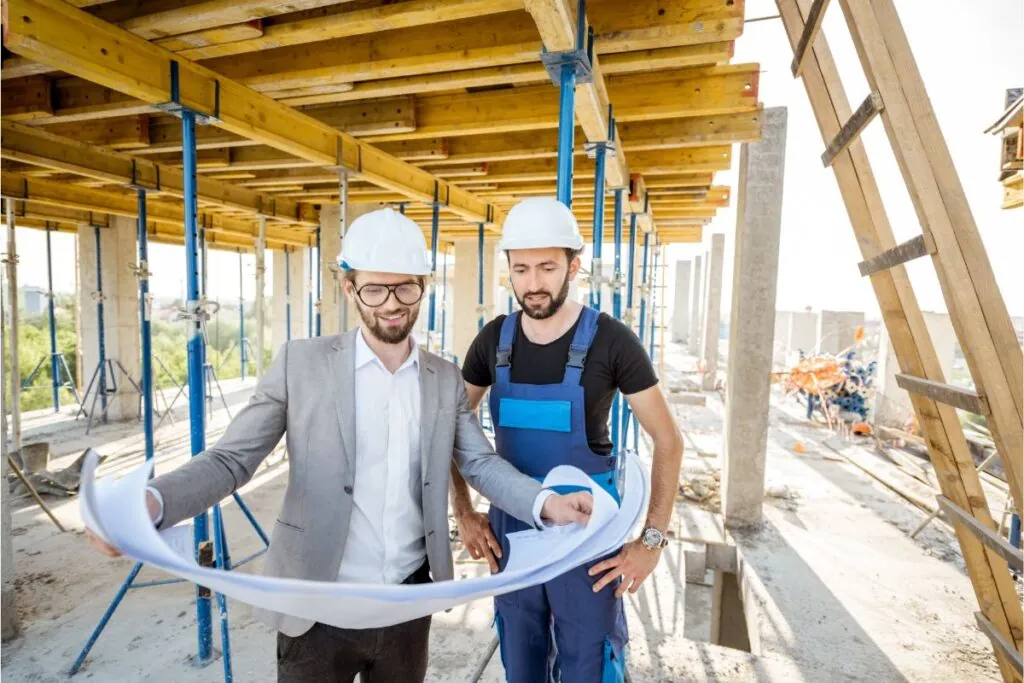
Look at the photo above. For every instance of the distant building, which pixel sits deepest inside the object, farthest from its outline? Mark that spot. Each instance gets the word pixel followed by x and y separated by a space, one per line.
pixel 31 300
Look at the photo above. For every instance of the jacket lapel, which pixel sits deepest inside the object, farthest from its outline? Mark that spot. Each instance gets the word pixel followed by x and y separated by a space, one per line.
pixel 343 384
pixel 429 396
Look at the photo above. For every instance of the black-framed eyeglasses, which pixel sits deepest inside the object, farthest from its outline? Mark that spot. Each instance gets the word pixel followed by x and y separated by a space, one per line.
pixel 374 295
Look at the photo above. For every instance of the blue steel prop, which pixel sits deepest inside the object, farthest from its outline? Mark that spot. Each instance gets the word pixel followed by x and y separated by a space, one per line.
pixel 206 554
pixel 309 299
pixel 435 223
pixel 599 151
pixel 145 327
pixel 58 364
pixel 643 320
pixel 617 306
pixel 567 70
pixel 444 299
pixel 480 277
pixel 630 272
pixel 654 296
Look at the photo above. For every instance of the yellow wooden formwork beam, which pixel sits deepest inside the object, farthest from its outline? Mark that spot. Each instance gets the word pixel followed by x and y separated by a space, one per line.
pixel 43 148
pixel 130 132
pixel 126 204
pixel 55 33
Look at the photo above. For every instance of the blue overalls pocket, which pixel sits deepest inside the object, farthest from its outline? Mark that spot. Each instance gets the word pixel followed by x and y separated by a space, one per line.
pixel 552 416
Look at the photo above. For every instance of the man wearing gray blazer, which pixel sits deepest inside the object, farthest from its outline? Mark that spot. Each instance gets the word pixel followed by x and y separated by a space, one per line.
pixel 372 423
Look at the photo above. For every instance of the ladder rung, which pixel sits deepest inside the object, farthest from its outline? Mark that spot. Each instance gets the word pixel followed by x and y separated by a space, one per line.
pixel 1000 643
pixel 1014 558
pixel 922 245
pixel 811 29
pixel 965 399
pixel 868 109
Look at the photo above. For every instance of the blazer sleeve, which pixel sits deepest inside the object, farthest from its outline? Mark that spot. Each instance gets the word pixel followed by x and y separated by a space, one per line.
pixel 216 473
pixel 485 470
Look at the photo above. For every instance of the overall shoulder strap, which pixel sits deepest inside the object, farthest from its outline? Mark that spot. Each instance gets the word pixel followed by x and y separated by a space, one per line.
pixel 580 346
pixel 506 338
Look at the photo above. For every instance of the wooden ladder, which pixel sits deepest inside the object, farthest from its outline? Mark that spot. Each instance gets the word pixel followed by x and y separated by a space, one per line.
pixel 950 237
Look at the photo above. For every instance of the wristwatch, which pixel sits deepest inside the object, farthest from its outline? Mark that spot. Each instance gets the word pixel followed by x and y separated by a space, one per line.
pixel 652 538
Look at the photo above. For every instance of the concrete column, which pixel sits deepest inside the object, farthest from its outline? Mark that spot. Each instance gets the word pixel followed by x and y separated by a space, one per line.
pixel 803 334
pixel 463 315
pixel 285 266
pixel 836 330
pixel 752 321
pixel 259 341
pixel 330 275
pixel 713 312
pixel 119 253
pixel 704 302
pixel 9 622
pixel 892 404
pixel 695 318
pixel 681 302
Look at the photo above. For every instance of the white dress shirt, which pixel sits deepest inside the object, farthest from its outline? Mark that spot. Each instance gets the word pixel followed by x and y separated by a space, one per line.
pixel 386 538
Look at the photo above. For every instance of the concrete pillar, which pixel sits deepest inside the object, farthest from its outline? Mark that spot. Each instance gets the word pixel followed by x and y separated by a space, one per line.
pixel 681 303
pixel 752 321
pixel 695 312
pixel 119 253
pixel 892 404
pixel 463 315
pixel 9 622
pixel 287 267
pixel 704 301
pixel 259 341
pixel 836 330
pixel 330 274
pixel 803 334
pixel 780 345
pixel 713 312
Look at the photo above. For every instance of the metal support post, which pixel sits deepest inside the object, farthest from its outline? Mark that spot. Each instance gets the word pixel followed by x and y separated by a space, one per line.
pixel 630 272
pixel 566 132
pixel 343 225
pixel 54 360
pixel 643 320
pixel 288 293
pixel 480 277
pixel 309 296
pixel 653 296
pixel 100 325
pixel 432 308
pixel 241 317
pixel 599 151
pixel 617 305
pixel 145 328
pixel 318 290
pixel 261 269
pixel 444 299
pixel 12 300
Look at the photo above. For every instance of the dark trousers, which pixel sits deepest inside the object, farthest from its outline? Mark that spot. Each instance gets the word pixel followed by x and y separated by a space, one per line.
pixel 326 654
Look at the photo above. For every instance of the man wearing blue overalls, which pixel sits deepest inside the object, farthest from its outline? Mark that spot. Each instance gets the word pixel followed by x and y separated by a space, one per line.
pixel 553 370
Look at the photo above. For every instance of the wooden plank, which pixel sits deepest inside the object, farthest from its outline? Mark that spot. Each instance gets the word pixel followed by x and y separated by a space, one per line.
pixel 246 30
pixel 654 23
pixel 921 245
pixel 852 129
pixel 363 119
pixel 1000 643
pixel 948 449
pixel 130 132
pixel 1013 556
pixel 55 33
pixel 347 24
pixel 1013 191
pixel 693 131
pixel 27 98
pixel 972 296
pixel 79 100
pixel 958 397
pixel 42 147
pixel 810 32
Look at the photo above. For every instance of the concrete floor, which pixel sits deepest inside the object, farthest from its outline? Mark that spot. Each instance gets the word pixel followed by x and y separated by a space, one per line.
pixel 843 594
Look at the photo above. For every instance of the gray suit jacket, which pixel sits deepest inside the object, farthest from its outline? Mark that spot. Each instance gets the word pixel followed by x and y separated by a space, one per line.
pixel 308 394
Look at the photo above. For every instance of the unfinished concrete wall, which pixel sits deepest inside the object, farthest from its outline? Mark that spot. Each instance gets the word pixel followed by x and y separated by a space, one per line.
pixel 803 333
pixel 752 321
pixel 118 253
pixel 892 405
pixel 836 329
pixel 780 344
pixel 465 291
pixel 681 302
pixel 713 312
pixel 330 276
pixel 695 305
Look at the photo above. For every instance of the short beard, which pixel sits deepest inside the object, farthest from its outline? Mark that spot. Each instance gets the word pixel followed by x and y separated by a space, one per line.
pixel 545 311
pixel 388 335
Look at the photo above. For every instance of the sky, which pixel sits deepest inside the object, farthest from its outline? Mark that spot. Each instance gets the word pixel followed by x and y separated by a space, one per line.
pixel 967 59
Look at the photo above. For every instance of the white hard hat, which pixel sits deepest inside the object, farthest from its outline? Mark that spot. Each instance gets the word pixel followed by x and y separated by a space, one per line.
pixel 538 223
pixel 385 241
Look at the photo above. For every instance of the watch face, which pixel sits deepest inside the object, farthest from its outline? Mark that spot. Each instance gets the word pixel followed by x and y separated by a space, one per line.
pixel 652 538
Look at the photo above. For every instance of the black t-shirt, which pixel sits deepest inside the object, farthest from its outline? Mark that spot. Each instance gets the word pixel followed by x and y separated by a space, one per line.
pixel 616 360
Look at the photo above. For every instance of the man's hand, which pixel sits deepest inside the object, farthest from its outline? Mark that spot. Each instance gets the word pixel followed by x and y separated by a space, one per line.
pixel 572 507
pixel 476 534
pixel 634 564
pixel 152 505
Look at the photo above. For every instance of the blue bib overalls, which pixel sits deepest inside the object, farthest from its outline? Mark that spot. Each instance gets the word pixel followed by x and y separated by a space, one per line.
pixel 562 626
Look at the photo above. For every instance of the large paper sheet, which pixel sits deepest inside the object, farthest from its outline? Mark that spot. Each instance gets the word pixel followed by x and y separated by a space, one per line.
pixel 116 511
